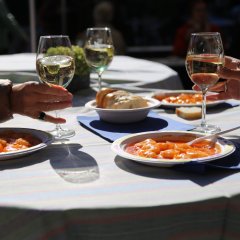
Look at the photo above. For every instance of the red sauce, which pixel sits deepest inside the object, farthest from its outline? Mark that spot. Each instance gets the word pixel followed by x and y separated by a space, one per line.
pixel 151 148
pixel 11 141
pixel 182 98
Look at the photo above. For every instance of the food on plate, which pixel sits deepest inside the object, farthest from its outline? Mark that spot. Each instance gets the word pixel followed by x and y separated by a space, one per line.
pixel 181 98
pixel 118 99
pixel 189 113
pixel 151 148
pixel 14 141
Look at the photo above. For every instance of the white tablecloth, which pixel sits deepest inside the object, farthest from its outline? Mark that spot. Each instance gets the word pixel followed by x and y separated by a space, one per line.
pixel 123 70
pixel 80 189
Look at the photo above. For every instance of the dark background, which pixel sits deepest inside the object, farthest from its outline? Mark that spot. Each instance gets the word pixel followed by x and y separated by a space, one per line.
pixel 148 26
pixel 142 23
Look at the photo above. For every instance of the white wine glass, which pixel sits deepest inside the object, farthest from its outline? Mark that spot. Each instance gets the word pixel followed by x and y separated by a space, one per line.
pixel 55 66
pixel 204 58
pixel 98 50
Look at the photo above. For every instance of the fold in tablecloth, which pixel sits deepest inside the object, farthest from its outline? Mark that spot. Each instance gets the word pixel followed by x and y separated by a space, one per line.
pixel 111 131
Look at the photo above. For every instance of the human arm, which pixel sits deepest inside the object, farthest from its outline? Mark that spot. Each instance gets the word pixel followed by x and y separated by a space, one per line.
pixel 5 91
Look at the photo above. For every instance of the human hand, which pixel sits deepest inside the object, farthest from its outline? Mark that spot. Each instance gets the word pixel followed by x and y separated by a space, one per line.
pixel 32 98
pixel 229 88
pixel 231 69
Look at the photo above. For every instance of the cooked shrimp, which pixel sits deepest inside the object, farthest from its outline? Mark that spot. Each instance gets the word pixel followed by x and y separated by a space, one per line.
pixel 172 150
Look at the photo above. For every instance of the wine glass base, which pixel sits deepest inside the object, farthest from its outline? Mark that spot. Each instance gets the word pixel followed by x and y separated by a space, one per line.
pixel 208 128
pixel 62 133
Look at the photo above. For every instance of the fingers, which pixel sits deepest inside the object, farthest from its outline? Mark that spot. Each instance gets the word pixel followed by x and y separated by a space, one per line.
pixel 31 98
pixel 34 111
pixel 231 63
pixel 49 89
pixel 196 88
pixel 42 98
pixel 51 119
pixel 222 90
pixel 47 118
pixel 219 96
pixel 218 87
pixel 42 106
pixel 229 74
pixel 230 90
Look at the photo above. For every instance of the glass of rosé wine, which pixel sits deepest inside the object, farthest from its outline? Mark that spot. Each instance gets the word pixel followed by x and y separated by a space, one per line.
pixel 205 56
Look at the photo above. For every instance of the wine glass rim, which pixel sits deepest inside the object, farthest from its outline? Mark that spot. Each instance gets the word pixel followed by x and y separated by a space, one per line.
pixel 54 36
pixel 98 28
pixel 205 33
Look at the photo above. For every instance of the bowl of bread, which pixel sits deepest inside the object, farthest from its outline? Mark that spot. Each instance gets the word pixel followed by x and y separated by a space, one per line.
pixel 119 106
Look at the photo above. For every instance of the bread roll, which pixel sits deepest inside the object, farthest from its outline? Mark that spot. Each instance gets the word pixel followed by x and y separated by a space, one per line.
pixel 119 99
pixel 189 113
pixel 101 95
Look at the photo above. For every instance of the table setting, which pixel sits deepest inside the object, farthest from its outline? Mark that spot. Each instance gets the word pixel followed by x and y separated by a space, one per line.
pixel 121 166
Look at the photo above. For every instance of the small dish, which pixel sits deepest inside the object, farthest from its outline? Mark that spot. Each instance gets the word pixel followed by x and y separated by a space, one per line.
pixel 119 146
pixel 44 137
pixel 178 92
pixel 123 115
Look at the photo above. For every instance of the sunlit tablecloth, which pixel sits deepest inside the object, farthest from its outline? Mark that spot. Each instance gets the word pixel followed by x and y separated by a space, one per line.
pixel 80 189
pixel 123 70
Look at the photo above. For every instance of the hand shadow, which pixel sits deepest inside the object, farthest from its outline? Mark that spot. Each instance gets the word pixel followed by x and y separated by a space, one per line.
pixel 73 165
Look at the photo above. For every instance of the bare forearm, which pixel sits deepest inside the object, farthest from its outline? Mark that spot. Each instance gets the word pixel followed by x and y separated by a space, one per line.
pixel 5 92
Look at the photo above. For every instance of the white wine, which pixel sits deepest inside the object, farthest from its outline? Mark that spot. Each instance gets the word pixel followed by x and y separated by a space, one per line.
pixel 99 56
pixel 58 70
pixel 203 68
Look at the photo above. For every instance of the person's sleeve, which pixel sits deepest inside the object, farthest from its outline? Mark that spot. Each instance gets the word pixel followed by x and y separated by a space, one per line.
pixel 5 92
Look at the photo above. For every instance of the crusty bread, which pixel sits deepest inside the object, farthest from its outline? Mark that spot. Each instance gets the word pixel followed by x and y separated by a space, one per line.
pixel 189 113
pixel 119 99
pixel 101 95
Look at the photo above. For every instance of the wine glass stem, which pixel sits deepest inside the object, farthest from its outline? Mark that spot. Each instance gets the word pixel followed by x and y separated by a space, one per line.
pixel 203 123
pixel 58 126
pixel 99 81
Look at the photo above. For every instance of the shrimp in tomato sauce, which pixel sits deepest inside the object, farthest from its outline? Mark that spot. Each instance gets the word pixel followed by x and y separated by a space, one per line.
pixel 14 141
pixel 151 148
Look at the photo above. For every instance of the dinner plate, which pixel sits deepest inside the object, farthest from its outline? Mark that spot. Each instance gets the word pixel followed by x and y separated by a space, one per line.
pixel 120 144
pixel 44 137
pixel 123 115
pixel 177 92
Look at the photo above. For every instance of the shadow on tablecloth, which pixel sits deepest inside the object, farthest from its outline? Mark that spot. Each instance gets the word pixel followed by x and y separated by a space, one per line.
pixel 205 179
pixel 68 161
pixel 73 165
